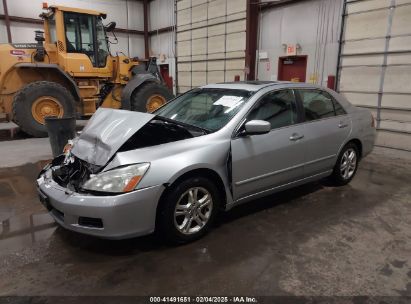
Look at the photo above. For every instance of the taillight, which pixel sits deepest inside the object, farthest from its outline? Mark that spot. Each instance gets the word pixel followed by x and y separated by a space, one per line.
pixel 372 121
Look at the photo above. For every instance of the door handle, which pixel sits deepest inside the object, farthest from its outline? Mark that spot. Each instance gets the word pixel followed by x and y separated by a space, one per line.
pixel 342 124
pixel 296 136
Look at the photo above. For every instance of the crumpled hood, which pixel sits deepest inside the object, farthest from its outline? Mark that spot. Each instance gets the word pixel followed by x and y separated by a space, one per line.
pixel 106 132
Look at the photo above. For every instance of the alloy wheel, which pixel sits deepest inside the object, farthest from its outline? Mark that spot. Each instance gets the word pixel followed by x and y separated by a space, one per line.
pixel 348 163
pixel 193 210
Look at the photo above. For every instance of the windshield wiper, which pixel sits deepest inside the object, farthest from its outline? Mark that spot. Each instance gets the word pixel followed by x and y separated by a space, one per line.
pixel 183 124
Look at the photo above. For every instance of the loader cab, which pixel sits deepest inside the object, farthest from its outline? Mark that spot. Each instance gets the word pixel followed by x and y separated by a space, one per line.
pixel 81 41
pixel 85 34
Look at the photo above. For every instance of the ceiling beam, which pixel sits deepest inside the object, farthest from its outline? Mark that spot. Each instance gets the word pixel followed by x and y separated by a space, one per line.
pixel 162 30
pixel 40 21
pixel 117 30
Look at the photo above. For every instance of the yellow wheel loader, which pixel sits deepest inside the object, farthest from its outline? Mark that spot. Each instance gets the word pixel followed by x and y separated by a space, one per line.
pixel 69 71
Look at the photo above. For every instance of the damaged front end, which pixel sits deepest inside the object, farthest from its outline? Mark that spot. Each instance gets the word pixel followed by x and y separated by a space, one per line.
pixel 70 172
pixel 81 168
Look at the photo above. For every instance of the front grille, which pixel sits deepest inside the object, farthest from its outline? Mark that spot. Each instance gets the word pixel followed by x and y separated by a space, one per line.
pixel 90 222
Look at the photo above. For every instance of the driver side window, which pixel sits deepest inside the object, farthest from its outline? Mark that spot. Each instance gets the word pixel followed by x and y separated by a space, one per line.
pixel 278 108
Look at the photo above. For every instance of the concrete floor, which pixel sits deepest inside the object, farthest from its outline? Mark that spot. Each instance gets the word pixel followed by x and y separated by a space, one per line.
pixel 312 240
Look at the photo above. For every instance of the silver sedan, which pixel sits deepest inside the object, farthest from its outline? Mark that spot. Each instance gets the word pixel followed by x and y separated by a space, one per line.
pixel 214 147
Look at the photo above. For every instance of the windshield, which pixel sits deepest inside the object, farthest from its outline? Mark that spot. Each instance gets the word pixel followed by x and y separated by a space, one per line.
pixel 209 109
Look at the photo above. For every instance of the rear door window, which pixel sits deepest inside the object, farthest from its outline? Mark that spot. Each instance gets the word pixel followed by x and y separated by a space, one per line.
pixel 316 104
pixel 339 110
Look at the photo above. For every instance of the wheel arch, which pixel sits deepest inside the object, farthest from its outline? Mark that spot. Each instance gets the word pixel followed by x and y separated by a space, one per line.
pixel 23 74
pixel 52 72
pixel 358 143
pixel 211 174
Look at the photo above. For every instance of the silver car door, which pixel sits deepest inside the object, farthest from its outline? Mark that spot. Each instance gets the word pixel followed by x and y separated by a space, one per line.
pixel 326 127
pixel 263 162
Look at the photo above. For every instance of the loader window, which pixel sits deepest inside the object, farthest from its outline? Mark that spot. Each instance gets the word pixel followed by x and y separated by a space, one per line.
pixel 52 29
pixel 80 35
pixel 102 45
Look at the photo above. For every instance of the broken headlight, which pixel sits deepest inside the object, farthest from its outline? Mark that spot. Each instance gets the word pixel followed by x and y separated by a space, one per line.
pixel 119 180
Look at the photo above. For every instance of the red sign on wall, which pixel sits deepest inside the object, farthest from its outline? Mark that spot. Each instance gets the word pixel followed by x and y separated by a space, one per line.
pixel 291 50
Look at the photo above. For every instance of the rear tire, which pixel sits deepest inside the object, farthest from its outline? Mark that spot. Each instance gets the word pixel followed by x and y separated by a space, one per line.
pixel 149 97
pixel 176 210
pixel 346 166
pixel 37 99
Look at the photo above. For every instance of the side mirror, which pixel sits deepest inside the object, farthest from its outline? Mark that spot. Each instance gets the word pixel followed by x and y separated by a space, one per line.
pixel 110 27
pixel 254 127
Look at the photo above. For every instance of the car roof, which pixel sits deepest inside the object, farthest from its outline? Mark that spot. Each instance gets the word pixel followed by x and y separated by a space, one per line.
pixel 258 85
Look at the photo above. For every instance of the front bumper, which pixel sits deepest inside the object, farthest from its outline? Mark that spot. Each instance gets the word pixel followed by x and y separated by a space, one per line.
pixel 121 216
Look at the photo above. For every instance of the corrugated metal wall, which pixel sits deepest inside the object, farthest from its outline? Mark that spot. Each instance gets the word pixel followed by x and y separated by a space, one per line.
pixel 314 25
pixel 375 65
pixel 162 45
pixel 162 15
pixel 211 41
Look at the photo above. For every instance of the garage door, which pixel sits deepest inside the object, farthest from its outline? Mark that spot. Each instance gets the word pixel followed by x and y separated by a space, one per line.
pixel 375 65
pixel 211 41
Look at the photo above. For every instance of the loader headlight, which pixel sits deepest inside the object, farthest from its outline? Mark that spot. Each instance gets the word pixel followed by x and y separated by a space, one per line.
pixel 120 180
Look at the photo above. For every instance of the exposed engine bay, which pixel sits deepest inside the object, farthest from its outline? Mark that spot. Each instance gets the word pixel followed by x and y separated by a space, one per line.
pixel 71 172
pixel 160 131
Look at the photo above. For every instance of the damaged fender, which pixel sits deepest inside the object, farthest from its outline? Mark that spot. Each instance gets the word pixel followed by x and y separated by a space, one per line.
pixel 169 163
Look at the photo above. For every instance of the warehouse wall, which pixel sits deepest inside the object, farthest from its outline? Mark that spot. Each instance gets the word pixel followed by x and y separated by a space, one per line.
pixel 376 65
pixel 127 14
pixel 3 32
pixel 314 25
pixel 211 41
pixel 162 45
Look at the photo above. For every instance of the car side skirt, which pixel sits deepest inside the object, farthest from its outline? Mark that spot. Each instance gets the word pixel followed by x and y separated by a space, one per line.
pixel 281 188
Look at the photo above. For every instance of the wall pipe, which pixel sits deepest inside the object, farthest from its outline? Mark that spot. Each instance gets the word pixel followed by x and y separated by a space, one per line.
pixel 337 74
pixel 7 21
pixel 146 37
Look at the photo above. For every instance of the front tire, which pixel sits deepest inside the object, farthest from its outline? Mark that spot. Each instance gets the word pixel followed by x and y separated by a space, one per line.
pixel 37 100
pixel 188 210
pixel 346 166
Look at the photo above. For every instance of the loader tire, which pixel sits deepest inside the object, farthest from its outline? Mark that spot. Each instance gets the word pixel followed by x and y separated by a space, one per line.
pixel 37 100
pixel 149 97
